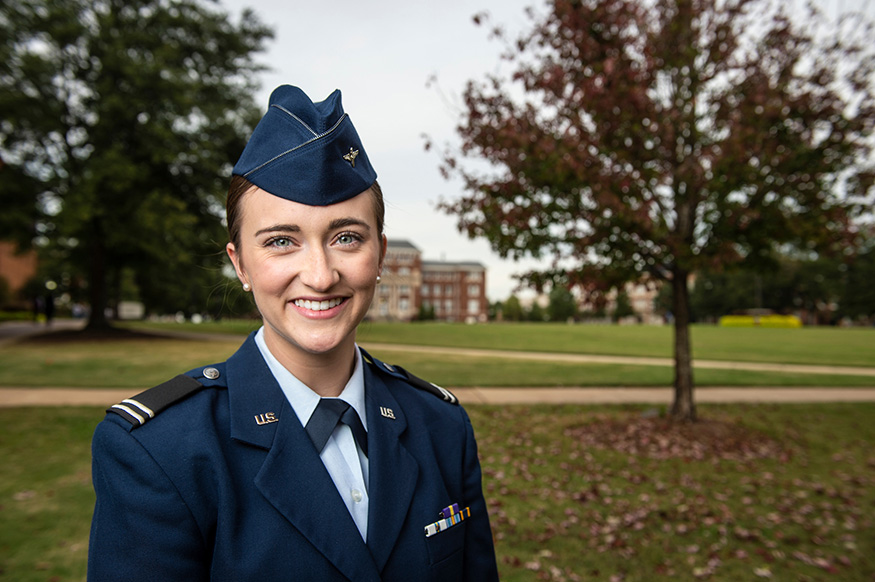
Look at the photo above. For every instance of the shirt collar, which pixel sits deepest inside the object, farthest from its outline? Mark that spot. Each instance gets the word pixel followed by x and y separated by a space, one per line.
pixel 302 398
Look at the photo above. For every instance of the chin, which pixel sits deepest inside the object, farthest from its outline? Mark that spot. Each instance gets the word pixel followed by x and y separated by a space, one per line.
pixel 320 346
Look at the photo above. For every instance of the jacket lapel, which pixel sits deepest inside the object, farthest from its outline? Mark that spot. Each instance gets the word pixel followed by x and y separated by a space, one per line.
pixel 293 478
pixel 393 470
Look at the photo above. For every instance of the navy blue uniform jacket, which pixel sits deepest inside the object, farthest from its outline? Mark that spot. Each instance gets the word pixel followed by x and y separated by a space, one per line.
pixel 210 489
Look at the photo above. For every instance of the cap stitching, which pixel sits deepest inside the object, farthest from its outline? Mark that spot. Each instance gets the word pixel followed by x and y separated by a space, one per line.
pixel 296 118
pixel 297 147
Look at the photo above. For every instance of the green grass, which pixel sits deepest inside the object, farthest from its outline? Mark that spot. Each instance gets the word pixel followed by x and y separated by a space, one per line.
pixel 46 498
pixel 465 371
pixel 564 509
pixel 141 363
pixel 822 345
pixel 106 364
pixel 788 492
pixel 810 345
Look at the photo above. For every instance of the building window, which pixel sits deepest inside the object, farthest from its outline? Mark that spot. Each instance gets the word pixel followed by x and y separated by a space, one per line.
pixel 448 290
pixel 404 271
pixel 473 306
pixel 405 290
pixel 474 290
pixel 425 290
pixel 404 305
pixel 448 305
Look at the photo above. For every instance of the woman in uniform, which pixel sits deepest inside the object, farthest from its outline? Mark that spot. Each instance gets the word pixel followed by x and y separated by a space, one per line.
pixel 301 457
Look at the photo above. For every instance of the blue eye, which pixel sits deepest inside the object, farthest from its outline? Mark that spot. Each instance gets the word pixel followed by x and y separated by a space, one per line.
pixel 281 242
pixel 348 238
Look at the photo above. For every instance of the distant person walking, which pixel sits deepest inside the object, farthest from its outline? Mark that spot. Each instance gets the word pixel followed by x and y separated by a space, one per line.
pixel 49 306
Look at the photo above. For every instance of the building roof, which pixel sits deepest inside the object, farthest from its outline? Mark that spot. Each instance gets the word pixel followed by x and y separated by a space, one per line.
pixel 402 244
pixel 452 265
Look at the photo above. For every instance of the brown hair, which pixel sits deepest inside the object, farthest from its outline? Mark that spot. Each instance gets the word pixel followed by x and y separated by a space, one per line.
pixel 240 186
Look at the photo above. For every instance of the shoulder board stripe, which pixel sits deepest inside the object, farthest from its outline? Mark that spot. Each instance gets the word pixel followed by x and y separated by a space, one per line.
pixel 128 413
pixel 448 396
pixel 402 374
pixel 146 405
pixel 438 391
pixel 139 405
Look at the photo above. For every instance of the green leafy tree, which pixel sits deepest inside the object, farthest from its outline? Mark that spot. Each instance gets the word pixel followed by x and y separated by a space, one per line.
pixel 120 119
pixel 623 307
pixel 659 138
pixel 426 312
pixel 536 312
pixel 512 310
pixel 562 306
pixel 809 285
pixel 858 293
pixel 722 293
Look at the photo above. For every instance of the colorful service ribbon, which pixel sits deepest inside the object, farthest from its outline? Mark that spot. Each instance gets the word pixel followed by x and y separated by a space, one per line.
pixel 451 516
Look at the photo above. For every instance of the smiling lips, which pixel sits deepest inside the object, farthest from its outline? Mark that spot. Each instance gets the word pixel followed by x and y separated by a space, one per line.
pixel 318 305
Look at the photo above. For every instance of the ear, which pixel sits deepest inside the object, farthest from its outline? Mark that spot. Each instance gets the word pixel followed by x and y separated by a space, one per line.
pixel 235 260
pixel 385 246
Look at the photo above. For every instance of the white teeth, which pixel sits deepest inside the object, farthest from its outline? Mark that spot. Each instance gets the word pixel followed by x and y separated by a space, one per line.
pixel 318 305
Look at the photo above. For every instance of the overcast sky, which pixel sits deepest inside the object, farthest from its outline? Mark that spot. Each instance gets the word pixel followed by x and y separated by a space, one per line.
pixel 381 55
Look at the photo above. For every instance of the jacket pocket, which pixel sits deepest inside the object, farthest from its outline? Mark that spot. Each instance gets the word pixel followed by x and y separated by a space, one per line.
pixel 446 544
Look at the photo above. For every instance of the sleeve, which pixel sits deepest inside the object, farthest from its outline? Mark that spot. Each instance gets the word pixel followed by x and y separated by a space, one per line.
pixel 142 528
pixel 480 564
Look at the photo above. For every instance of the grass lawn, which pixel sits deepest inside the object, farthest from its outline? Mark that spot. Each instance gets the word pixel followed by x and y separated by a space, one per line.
pixel 122 363
pixel 781 493
pixel 809 345
pixel 140 363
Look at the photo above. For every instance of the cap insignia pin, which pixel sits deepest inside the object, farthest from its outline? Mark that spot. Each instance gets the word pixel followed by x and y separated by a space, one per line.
pixel 387 412
pixel 351 156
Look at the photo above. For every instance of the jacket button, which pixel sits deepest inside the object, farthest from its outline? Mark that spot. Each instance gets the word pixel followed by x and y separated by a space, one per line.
pixel 211 373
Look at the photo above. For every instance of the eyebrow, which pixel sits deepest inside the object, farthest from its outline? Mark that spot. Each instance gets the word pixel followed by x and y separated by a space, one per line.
pixel 334 225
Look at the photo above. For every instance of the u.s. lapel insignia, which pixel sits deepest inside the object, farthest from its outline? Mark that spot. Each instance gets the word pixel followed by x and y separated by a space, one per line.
pixel 387 412
pixel 351 156
pixel 266 418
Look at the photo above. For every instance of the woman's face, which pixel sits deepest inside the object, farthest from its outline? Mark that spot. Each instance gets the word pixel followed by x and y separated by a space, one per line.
pixel 312 269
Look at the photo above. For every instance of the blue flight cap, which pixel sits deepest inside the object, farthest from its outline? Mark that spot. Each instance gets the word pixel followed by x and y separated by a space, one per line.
pixel 306 152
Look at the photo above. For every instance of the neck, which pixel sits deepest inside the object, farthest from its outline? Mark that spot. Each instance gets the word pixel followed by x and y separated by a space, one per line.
pixel 325 373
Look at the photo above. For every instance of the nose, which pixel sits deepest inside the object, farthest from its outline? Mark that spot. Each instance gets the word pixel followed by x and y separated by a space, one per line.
pixel 319 272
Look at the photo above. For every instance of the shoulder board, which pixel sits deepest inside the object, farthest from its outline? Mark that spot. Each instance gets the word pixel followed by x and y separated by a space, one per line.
pixel 402 374
pixel 143 407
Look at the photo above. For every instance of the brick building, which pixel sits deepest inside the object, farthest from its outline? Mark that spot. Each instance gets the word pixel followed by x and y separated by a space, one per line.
pixel 397 296
pixel 455 290
pixel 16 269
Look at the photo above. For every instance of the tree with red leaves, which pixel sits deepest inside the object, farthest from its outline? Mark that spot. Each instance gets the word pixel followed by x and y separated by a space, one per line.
pixel 647 140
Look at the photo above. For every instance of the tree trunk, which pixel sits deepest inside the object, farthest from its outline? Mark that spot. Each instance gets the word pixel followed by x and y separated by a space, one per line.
pixel 97 285
pixel 684 407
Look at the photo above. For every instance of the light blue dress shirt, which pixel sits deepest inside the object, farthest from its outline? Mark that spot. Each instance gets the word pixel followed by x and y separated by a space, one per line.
pixel 342 457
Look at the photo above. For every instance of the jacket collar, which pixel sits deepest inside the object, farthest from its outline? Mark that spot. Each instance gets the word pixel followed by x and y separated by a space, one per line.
pixel 393 470
pixel 294 480
pixel 292 477
pixel 255 398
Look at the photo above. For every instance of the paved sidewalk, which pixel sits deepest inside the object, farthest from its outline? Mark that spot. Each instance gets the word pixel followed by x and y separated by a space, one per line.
pixel 15 397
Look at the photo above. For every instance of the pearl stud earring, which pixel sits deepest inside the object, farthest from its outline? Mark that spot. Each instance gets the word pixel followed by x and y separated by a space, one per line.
pixel 246 287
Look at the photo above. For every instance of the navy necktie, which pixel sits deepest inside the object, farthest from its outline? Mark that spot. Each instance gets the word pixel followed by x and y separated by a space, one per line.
pixel 328 413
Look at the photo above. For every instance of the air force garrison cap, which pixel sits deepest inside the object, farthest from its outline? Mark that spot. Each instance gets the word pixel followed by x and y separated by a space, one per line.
pixel 306 152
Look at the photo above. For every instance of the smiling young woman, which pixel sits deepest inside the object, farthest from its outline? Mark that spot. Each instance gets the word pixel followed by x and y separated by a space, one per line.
pixel 302 457
pixel 312 271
